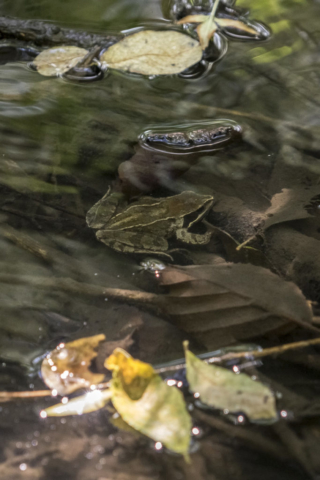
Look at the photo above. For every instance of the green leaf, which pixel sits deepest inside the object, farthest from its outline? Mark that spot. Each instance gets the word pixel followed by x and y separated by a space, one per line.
pixel 220 388
pixel 58 60
pixel 90 402
pixel 148 404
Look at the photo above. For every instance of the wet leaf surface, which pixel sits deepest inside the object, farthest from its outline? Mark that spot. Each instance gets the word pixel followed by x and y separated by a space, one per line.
pixel 67 368
pixel 90 402
pixel 223 389
pixel 56 61
pixel 153 53
pixel 148 404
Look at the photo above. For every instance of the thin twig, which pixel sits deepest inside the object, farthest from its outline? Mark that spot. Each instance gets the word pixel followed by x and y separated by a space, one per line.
pixel 229 356
pixel 250 354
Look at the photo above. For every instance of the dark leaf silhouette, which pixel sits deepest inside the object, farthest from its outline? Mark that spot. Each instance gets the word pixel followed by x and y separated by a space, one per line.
pixel 220 304
pixel 290 204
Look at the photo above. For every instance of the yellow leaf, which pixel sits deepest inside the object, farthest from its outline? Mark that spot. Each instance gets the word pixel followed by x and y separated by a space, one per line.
pixel 135 375
pixel 58 60
pixel 160 411
pixel 226 390
pixel 66 368
pixel 226 22
pixel 151 52
pixel 90 402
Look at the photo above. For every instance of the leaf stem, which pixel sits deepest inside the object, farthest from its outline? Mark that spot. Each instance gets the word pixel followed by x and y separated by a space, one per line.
pixel 214 10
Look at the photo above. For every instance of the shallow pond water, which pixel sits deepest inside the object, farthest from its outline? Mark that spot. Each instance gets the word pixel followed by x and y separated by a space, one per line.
pixel 61 146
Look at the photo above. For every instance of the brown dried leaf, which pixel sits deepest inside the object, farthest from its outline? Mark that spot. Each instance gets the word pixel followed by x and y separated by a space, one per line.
pixel 238 24
pixel 152 52
pixel 66 368
pixel 290 204
pixel 220 304
pixel 206 31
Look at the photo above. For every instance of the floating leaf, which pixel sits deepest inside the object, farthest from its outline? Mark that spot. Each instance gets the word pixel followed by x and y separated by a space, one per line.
pixel 238 24
pixel 58 60
pixel 152 52
pixel 147 403
pixel 220 304
pixel 90 402
pixel 206 31
pixel 226 390
pixel 66 369
pixel 209 24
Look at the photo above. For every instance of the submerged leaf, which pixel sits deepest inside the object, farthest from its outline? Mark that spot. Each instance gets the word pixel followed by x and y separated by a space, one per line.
pixel 66 368
pixel 220 304
pixel 290 204
pixel 90 402
pixel 58 60
pixel 159 411
pixel 225 390
pixel 153 53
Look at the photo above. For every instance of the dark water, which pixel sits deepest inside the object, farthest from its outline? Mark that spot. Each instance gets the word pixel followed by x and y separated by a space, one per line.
pixel 61 146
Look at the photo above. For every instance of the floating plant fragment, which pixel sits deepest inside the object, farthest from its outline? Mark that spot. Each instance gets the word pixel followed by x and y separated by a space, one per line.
pixel 209 24
pixel 150 52
pixel 147 403
pixel 223 389
pixel 58 60
pixel 90 402
pixel 66 368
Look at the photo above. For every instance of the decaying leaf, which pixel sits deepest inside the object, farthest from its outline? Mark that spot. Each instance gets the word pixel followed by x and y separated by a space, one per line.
pixel 147 403
pixel 223 389
pixel 208 25
pixel 58 60
pixel 152 52
pixel 90 402
pixel 238 24
pixel 66 368
pixel 220 304
pixel 290 204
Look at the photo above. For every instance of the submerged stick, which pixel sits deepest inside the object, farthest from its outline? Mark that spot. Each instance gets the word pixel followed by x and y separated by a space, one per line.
pixel 250 354
pixel 47 34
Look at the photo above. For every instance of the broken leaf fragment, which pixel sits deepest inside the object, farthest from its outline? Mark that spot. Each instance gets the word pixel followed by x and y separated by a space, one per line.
pixel 58 60
pixel 223 389
pixel 67 367
pixel 90 402
pixel 150 52
pixel 208 25
pixel 158 411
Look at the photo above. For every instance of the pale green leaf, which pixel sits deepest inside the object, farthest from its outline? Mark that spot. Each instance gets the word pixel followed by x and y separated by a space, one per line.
pixel 159 412
pixel 152 52
pixel 223 389
pixel 58 60
pixel 90 402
